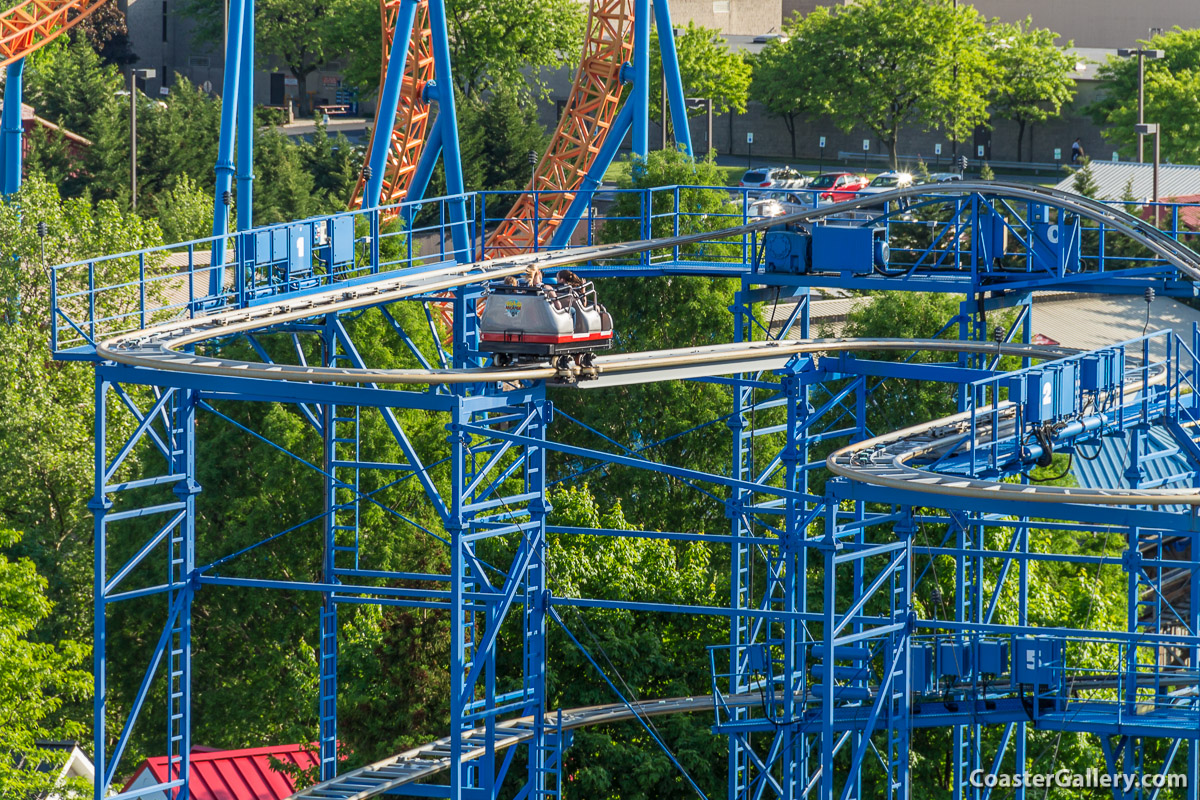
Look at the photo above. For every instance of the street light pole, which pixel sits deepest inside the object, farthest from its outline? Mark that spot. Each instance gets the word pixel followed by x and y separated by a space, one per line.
pixel 1142 54
pixel 1147 129
pixel 134 74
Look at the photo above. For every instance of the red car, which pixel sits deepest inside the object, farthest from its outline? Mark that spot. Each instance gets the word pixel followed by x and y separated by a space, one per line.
pixel 834 187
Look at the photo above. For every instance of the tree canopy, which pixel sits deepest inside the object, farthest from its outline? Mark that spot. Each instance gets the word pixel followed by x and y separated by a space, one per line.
pixel 1035 75
pixel 1172 85
pixel 884 65
pixel 707 68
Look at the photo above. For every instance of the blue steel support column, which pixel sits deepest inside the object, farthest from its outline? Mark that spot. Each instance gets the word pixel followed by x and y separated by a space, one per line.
pixel 328 648
pixel 447 119
pixel 245 123
pixel 224 166
pixel 99 506
pixel 542 751
pixel 456 530
pixel 670 63
pixel 422 174
pixel 640 97
pixel 13 89
pixel 389 99
pixel 740 590
pixel 182 555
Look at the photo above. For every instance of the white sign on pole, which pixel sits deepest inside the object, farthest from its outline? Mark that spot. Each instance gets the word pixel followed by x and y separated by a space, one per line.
pixel 937 149
pixel 749 137
pixel 1115 156
pixel 979 151
pixel 1058 154
pixel 822 143
pixel 866 145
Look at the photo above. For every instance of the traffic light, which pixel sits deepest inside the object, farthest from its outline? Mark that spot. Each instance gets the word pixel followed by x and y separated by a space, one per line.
pixel 962 163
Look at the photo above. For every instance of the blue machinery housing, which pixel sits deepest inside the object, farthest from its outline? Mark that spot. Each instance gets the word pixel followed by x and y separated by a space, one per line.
pixel 833 654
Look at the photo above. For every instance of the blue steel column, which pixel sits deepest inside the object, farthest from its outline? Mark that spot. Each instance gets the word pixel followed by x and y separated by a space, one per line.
pixel 740 590
pixel 447 120
pixel 456 530
pixel 224 166
pixel 670 64
pixel 389 99
pixel 640 97
pixel 13 89
pixel 99 506
pixel 328 649
pixel 542 750
pixel 245 135
pixel 182 556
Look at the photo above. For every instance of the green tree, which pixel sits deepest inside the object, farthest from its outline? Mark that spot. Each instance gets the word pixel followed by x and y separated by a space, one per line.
pixel 184 211
pixel 1035 75
pixel 887 64
pixel 707 68
pixel 493 43
pixel 775 85
pixel 36 680
pixel 303 34
pixel 46 406
pixel 1172 83
pixel 497 133
pixel 1083 180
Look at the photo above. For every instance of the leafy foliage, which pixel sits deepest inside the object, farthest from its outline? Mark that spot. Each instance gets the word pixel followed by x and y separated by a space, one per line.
pixel 1172 83
pixel 495 45
pixel 707 68
pixel 1035 75
pixel 886 64
pixel 36 679
pixel 775 85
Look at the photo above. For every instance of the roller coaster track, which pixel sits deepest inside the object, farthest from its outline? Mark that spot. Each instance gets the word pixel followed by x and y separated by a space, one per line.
pixel 586 120
pixel 888 464
pixel 32 24
pixel 412 112
pixel 589 114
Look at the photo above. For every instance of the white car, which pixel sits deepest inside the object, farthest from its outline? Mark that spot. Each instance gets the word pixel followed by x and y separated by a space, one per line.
pixel 773 178
pixel 886 181
pixel 938 177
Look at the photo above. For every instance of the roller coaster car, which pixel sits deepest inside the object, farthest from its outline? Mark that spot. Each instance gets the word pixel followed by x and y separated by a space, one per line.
pixel 527 323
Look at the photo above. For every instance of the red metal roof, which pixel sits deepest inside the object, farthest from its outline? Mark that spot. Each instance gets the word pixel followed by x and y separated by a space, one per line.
pixel 236 774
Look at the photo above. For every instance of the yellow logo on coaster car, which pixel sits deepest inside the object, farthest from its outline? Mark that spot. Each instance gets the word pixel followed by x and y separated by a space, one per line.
pixel 512 307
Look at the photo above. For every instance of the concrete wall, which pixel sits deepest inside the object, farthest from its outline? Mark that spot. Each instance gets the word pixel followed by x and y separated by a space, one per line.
pixel 1090 23
pixel 732 17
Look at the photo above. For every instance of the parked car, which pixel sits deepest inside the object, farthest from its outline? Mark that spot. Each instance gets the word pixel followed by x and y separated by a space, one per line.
pixel 836 187
pixel 939 177
pixel 773 178
pixel 886 181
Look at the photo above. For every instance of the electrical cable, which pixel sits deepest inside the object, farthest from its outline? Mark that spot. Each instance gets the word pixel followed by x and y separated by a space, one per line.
pixel 645 721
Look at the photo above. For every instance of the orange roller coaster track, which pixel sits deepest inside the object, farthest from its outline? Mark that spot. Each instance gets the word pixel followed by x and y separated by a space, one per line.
pixel 34 23
pixel 590 111
pixel 412 113
pixel 585 123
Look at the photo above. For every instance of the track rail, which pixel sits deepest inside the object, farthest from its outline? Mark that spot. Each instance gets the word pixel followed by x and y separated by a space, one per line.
pixel 888 465
pixel 33 24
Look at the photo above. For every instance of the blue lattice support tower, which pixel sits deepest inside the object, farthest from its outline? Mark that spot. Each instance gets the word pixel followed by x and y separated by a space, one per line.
pixel 164 426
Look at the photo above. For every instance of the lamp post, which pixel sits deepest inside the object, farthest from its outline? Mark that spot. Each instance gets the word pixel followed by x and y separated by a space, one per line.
pixel 707 104
pixel 134 74
pixel 533 162
pixel 1147 129
pixel 1142 54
